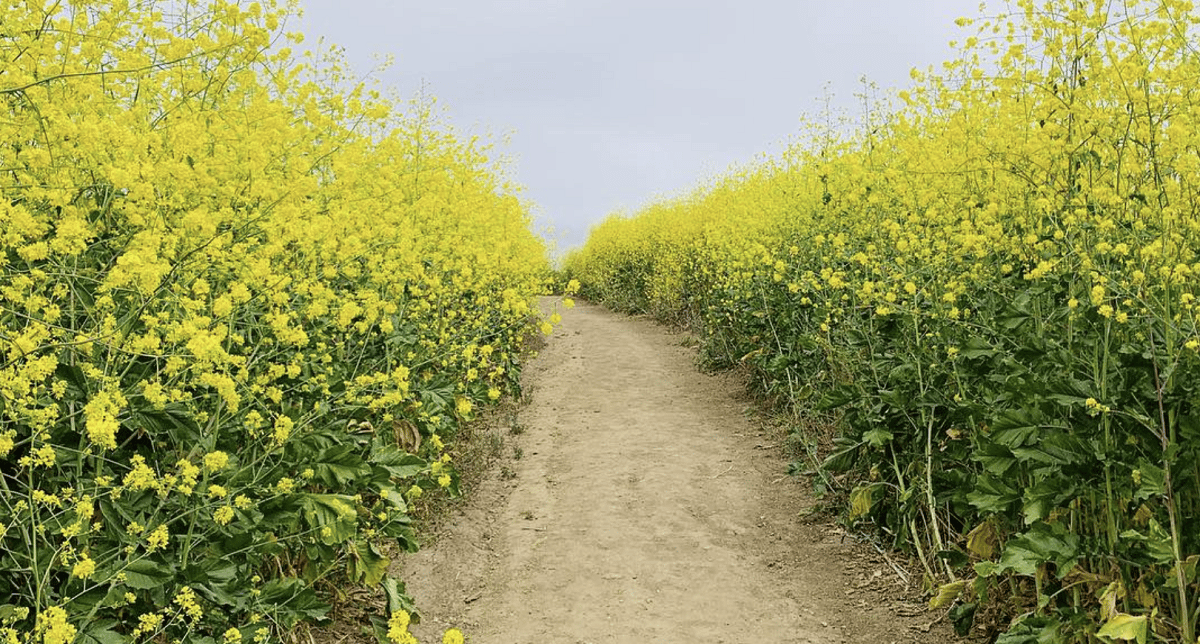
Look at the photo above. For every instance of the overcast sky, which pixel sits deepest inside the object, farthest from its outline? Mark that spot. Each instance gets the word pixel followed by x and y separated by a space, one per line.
pixel 611 103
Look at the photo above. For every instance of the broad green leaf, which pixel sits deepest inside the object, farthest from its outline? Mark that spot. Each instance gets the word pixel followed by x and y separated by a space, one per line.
pixel 1053 447
pixel 1150 480
pixel 100 633
pixel 295 599
pixel 963 618
pixel 394 497
pixel 838 396
pixel 1047 494
pixel 1014 428
pixel 1042 543
pixel 977 348
pixel 1019 558
pixel 877 437
pixel 366 565
pixel 987 568
pixel 339 466
pixel 144 574
pixel 332 515
pixel 1033 629
pixel 992 495
pixel 996 459
pixel 841 460
pixel 398 463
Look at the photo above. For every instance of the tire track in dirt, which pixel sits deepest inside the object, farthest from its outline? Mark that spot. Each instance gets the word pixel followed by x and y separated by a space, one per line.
pixel 643 509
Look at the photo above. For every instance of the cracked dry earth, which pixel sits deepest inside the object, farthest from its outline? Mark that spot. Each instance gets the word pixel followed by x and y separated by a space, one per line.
pixel 648 506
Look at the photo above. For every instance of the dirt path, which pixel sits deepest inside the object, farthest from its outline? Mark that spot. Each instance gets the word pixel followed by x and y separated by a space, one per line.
pixel 646 506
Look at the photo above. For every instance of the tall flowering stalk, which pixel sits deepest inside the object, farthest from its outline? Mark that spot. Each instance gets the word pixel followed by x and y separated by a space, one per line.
pixel 246 303
pixel 992 294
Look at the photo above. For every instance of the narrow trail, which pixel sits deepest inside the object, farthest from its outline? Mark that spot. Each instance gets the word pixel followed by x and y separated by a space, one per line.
pixel 646 506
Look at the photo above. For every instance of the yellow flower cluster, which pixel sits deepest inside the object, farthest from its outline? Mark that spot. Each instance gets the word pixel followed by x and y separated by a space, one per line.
pixel 217 248
pixel 1008 255
pixel 397 631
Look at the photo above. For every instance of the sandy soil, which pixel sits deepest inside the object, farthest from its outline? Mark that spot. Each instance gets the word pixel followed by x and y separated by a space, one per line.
pixel 648 505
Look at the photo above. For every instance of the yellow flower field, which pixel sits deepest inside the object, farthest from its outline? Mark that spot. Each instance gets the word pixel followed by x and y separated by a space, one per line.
pixel 239 289
pixel 990 291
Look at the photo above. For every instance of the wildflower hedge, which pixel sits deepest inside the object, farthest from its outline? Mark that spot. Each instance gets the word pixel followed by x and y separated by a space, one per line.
pixel 992 289
pixel 246 302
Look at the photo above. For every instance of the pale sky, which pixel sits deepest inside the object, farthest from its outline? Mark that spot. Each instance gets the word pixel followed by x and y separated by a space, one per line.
pixel 611 103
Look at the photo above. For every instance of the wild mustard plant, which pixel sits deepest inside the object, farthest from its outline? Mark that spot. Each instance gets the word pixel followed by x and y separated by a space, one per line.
pixel 246 303
pixel 994 286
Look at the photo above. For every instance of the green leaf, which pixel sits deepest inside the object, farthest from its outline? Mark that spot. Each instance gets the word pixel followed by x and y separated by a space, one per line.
pixel 332 515
pixel 100 633
pixel 1019 558
pixel 398 599
pixel 1159 543
pixel 977 347
pixel 1043 543
pixel 73 377
pixel 398 463
pixel 1053 447
pixel 1033 629
pixel 954 558
pixel 963 618
pixel 987 568
pixel 394 497
pixel 877 437
pixel 1151 481
pixel 838 396
pixel 996 459
pixel 294 599
pixel 144 574
pixel 174 422
pixel 841 460
pixel 1125 627
pixel 1044 496
pixel 339 466
pixel 366 564
pixel 10 612
pixel 992 495
pixel 1014 428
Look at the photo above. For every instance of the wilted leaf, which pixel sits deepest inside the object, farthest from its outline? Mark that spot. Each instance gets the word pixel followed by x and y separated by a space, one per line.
pixel 861 500
pixel 1113 593
pixel 1126 627
pixel 983 540
pixel 946 594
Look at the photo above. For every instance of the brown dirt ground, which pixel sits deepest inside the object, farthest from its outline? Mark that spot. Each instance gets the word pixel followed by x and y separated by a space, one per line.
pixel 643 502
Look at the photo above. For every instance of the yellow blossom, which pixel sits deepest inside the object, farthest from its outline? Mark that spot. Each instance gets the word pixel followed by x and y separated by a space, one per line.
pixel 158 539
pixel 223 515
pixel 84 568
pixel 215 461
pixel 54 626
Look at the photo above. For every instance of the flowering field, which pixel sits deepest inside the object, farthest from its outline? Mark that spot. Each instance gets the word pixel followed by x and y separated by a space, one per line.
pixel 991 290
pixel 246 302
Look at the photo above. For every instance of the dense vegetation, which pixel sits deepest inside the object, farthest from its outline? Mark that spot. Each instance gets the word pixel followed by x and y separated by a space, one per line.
pixel 992 286
pixel 246 302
